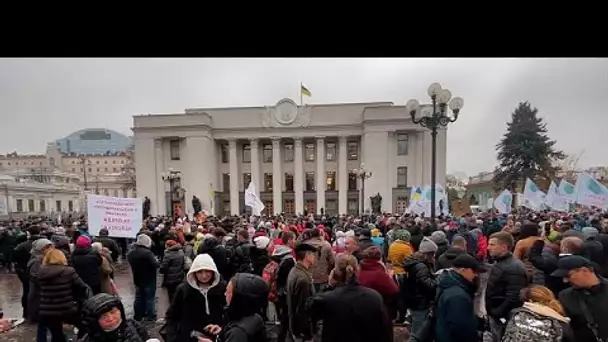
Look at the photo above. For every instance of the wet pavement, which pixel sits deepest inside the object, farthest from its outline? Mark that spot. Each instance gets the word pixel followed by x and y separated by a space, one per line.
pixel 10 302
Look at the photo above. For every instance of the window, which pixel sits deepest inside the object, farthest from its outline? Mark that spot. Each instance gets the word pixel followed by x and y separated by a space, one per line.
pixel 174 149
pixel 97 162
pixel 402 177
pixel 310 206
pixel 288 152
pixel 352 181
pixel 330 180
pixel 58 206
pixel 288 181
pixel 113 161
pixel 268 207
pixel 226 182
pixel 105 162
pixel 331 207
pixel 267 153
pixel 106 169
pixel 309 150
pixel 97 169
pixel 114 193
pixel 402 142
pixel 90 170
pixel 288 207
pixel 122 161
pixel 30 205
pixel 401 205
pixel 330 152
pixel 19 206
pixel 353 150
pixel 70 206
pixel 246 180
pixel 310 181
pixel 268 182
pixel 73 169
pixel 42 206
pixel 226 208
pixel 125 193
pixel 246 153
pixel 353 206
pixel 224 153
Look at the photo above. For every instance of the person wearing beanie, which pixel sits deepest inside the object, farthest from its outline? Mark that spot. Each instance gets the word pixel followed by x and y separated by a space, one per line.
pixel 87 263
pixel 400 250
pixel 172 267
pixel 419 287
pixel 107 242
pixel 143 267
pixel 441 240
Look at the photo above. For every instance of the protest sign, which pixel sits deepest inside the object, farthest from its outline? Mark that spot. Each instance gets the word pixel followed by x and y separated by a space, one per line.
pixel 122 217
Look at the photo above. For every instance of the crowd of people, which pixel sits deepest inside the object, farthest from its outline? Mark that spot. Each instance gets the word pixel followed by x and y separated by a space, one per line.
pixel 528 275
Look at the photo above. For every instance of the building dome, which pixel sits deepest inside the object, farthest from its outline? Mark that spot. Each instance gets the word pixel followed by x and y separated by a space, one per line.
pixel 94 141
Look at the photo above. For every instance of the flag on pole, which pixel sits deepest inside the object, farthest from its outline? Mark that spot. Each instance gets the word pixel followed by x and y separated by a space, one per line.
pixel 252 200
pixel 304 91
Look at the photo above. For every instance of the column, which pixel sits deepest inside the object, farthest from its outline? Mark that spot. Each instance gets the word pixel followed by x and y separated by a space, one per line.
pixel 234 178
pixel 159 206
pixel 343 176
pixel 199 170
pixel 277 176
pixel 320 174
pixel 255 165
pixel 298 176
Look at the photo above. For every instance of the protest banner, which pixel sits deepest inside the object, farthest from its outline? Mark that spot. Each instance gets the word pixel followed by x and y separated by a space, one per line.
pixel 122 217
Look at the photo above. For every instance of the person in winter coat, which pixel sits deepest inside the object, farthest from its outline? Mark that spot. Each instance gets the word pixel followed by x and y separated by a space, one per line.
pixel 506 279
pixel 441 240
pixel 60 288
pixel 373 274
pixel 107 269
pixel 350 302
pixel 104 320
pixel 172 267
pixel 275 274
pixel 218 253
pixel 62 243
pixel 298 289
pixel 39 248
pixel 400 250
pixel 446 260
pixel 419 287
pixel 189 250
pixel 377 238
pixel 107 242
pixel 324 261
pixel 544 257
pixel 540 306
pixel 530 233
pixel 197 303
pixel 246 294
pixel 482 244
pixel 143 267
pixel 87 263
pixel 454 311
pixel 259 254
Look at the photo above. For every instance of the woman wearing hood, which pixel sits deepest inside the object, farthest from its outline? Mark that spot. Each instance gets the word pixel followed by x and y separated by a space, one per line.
pixel 104 319
pixel 197 303
pixel 246 296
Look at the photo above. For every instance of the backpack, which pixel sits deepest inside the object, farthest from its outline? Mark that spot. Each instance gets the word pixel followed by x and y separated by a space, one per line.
pixel 525 325
pixel 270 277
pixel 239 258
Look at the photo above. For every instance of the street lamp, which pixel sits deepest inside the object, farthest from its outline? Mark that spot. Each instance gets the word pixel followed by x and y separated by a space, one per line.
pixel 172 177
pixel 433 118
pixel 362 174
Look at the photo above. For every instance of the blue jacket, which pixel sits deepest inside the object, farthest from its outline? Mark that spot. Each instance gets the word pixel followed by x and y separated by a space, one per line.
pixel 455 317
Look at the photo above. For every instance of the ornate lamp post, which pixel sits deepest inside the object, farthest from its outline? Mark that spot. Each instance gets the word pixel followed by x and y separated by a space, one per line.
pixel 172 177
pixel 433 118
pixel 362 174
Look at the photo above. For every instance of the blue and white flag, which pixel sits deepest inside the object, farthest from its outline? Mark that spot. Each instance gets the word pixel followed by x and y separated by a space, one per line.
pixel 555 200
pixel 533 198
pixel 590 192
pixel 503 202
pixel 567 191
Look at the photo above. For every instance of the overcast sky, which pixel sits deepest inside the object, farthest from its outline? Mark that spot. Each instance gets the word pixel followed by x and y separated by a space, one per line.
pixel 46 99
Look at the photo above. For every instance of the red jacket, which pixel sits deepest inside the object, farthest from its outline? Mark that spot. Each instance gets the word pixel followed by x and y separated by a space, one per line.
pixel 374 276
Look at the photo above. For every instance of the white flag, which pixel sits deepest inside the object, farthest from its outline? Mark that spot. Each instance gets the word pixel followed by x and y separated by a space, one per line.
pixel 567 191
pixel 533 197
pixel 590 192
pixel 252 200
pixel 555 200
pixel 503 202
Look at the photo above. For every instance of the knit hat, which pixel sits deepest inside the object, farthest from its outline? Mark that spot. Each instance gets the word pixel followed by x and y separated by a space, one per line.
pixel 38 246
pixel 376 232
pixel 170 243
pixel 572 232
pixel 143 240
pixel 439 237
pixel 402 234
pixel 261 242
pixel 427 246
pixel 589 232
pixel 83 241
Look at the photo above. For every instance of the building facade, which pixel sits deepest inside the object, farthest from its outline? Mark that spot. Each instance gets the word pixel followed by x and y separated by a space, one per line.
pixel 51 192
pixel 300 158
pixel 101 158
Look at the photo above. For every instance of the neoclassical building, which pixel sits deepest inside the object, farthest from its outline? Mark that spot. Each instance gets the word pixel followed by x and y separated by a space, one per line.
pixel 300 158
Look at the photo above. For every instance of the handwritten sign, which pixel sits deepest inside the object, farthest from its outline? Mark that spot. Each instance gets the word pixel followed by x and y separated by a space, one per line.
pixel 122 217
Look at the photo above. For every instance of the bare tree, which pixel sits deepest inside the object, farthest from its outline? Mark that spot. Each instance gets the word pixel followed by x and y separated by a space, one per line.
pixel 128 170
pixel 569 166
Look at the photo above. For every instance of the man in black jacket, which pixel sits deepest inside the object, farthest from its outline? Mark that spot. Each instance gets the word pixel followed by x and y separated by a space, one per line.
pixel 107 242
pixel 586 302
pixel 143 266
pixel 546 260
pixel 507 278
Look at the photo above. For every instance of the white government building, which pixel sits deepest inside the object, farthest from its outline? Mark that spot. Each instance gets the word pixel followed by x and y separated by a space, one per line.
pixel 300 158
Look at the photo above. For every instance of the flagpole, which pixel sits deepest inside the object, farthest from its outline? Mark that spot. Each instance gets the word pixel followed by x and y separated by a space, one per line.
pixel 301 99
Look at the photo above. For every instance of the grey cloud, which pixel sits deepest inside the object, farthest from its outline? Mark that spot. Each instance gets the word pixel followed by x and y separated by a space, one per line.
pixel 45 99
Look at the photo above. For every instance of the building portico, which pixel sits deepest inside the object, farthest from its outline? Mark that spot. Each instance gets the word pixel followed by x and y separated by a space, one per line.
pixel 300 158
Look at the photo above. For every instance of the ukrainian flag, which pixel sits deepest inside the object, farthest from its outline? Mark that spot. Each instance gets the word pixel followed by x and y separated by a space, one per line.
pixel 418 194
pixel 305 91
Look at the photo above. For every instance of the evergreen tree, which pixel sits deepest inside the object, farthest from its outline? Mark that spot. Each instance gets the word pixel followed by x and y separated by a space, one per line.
pixel 525 150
